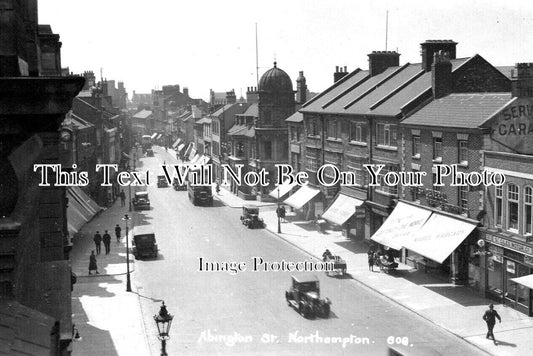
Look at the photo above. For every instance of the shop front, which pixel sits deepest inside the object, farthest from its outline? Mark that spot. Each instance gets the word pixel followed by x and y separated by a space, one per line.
pixel 508 265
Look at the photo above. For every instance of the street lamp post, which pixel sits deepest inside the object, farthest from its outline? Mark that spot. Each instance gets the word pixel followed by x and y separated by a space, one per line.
pixel 126 218
pixel 163 321
pixel 129 189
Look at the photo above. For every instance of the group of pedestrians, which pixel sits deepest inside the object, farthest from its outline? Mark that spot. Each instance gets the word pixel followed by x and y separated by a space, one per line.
pixel 106 239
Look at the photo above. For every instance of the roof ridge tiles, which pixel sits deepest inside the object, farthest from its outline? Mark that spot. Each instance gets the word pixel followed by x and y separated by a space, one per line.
pixel 399 88
pixel 394 73
pixel 336 84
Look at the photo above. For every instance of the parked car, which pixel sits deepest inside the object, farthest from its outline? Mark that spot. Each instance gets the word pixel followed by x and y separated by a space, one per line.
pixel 250 217
pixel 304 296
pixel 144 243
pixel 162 182
pixel 141 201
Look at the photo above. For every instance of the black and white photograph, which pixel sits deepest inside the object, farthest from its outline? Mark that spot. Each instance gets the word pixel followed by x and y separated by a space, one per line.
pixel 298 177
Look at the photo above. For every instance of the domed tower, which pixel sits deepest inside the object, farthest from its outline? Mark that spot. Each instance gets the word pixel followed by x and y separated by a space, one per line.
pixel 275 104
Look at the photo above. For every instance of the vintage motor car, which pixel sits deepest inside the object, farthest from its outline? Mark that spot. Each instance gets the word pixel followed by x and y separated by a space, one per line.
pixel 178 186
pixel 144 243
pixel 149 152
pixel 304 296
pixel 141 201
pixel 162 181
pixel 250 217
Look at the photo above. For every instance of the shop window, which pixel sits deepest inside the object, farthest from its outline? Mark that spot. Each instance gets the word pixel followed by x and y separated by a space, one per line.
pixel 495 281
pixel 499 205
pixel 528 209
pixel 512 207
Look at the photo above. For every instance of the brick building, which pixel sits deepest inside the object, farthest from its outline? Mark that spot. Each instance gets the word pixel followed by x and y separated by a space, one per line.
pixel 35 277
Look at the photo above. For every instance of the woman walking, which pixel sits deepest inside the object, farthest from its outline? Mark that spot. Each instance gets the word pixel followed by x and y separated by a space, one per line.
pixel 92 264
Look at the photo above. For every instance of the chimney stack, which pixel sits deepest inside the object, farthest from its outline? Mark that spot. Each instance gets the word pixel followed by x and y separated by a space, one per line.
pixel 430 47
pixel 252 97
pixel 379 61
pixel 441 74
pixel 186 91
pixel 522 80
pixel 231 98
pixel 339 73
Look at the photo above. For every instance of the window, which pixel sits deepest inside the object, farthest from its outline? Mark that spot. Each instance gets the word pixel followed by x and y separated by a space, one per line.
pixel 437 149
pixel 357 132
pixel 293 132
pixel 386 135
pixel 239 149
pixel 499 205
pixel 463 152
pixel 528 210
pixel 311 157
pixel 333 129
pixel 312 129
pixel 436 188
pixel 355 165
pixel 384 187
pixel 298 133
pixel 463 199
pixel 414 190
pixel 416 146
pixel 268 149
pixel 512 207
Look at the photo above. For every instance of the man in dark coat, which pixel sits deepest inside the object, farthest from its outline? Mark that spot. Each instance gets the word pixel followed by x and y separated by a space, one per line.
pixel 117 232
pixel 107 242
pixel 490 317
pixel 122 198
pixel 92 263
pixel 98 241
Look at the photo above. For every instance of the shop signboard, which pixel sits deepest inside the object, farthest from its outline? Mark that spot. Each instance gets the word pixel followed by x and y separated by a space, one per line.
pixel 513 126
pixel 528 260
pixel 511 245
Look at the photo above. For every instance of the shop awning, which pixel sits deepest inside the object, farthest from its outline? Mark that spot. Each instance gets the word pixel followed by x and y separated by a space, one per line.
pixel 180 147
pixel 153 135
pixel 203 160
pixel 194 159
pixel 526 281
pixel 81 209
pixel 159 136
pixel 126 155
pixel 282 189
pixel 175 144
pixel 404 220
pixel 342 209
pixel 192 154
pixel 439 236
pixel 188 150
pixel 301 197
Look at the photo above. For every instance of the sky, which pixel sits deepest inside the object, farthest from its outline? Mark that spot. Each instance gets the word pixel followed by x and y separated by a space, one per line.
pixel 211 44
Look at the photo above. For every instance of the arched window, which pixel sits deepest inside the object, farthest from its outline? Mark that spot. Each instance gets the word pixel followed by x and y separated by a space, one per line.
pixel 512 207
pixel 528 210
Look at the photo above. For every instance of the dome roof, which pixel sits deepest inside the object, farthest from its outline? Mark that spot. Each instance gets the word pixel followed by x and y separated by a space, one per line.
pixel 275 80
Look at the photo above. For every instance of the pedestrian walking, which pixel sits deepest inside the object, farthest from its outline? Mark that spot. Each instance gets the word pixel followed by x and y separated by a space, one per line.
pixel 117 232
pixel 490 317
pixel 122 198
pixel 107 242
pixel 97 241
pixel 371 260
pixel 92 264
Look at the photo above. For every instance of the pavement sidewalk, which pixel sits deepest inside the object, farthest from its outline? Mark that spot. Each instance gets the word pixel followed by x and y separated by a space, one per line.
pixel 454 308
pixel 108 318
